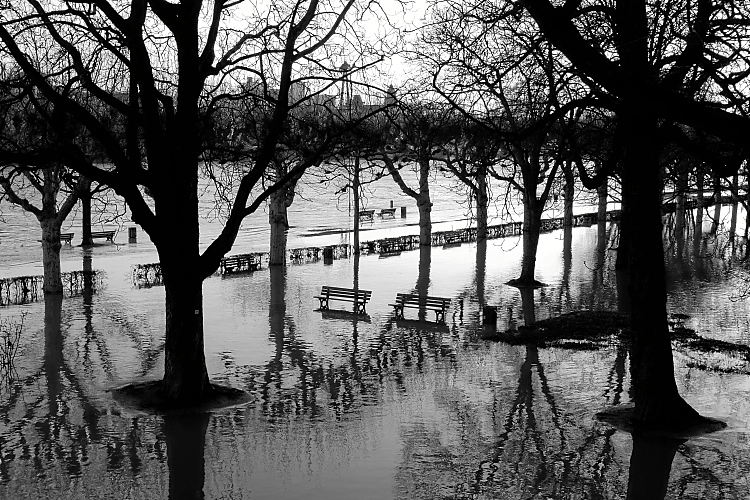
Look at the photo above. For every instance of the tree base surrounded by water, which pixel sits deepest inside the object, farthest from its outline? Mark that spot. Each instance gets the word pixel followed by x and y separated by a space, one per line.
pixel 575 330
pixel 622 417
pixel 519 283
pixel 149 397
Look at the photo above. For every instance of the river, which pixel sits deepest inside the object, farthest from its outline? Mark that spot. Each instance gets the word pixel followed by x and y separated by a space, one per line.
pixel 367 408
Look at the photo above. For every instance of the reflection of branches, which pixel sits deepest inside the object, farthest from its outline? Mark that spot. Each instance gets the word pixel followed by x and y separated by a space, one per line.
pixel 10 337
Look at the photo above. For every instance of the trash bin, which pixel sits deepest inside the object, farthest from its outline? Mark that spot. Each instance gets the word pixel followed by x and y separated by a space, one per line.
pixel 131 235
pixel 328 255
pixel 489 314
pixel 403 212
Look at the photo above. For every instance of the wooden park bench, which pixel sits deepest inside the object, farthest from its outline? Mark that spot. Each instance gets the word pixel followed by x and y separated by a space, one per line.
pixel 438 304
pixel 358 298
pixel 367 215
pixel 66 238
pixel 388 213
pixel 108 235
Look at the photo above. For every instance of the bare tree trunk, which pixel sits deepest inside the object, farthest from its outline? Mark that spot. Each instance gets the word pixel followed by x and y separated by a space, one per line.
pixel 185 374
pixel 682 186
pixel 277 218
pixel 84 193
pixel 422 287
pixel 717 204
pixel 601 218
pixel 700 200
pixel 531 228
pixel 735 203
pixel 424 204
pixel 425 221
pixel 51 255
pixel 623 245
pixel 355 190
pixel 657 401
pixel 482 201
pixel 568 193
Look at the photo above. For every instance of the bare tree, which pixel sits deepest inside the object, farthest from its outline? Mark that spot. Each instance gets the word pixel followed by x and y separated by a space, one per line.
pixel 692 80
pixel 489 63
pixel 161 68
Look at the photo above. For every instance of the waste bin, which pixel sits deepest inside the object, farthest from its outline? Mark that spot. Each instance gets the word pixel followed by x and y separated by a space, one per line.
pixel 489 314
pixel 328 255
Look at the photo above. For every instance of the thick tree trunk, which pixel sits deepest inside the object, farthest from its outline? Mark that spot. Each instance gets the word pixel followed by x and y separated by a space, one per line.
pixel 422 287
pixel 480 270
pixel 185 374
pixel 531 229
pixel 51 256
pixel 568 193
pixel 482 201
pixel 277 218
pixel 621 262
pixel 602 192
pixel 425 219
pixel 86 219
pixel 700 200
pixel 657 402
pixel 735 203
pixel 424 203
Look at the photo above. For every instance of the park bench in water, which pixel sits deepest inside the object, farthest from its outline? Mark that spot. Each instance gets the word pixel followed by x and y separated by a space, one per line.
pixel 357 297
pixel 108 235
pixel 366 215
pixel 438 304
pixel 66 238
pixel 388 213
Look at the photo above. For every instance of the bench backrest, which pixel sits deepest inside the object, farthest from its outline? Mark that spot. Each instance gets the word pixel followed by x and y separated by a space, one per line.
pixel 335 291
pixel 412 298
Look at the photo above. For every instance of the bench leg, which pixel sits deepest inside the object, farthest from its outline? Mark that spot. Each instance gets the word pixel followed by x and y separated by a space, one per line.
pixel 440 316
pixel 399 312
pixel 323 304
pixel 361 308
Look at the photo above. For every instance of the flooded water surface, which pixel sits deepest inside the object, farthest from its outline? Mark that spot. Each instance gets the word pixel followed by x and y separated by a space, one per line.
pixel 371 407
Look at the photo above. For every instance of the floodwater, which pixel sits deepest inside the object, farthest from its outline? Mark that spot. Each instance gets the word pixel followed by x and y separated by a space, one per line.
pixel 370 407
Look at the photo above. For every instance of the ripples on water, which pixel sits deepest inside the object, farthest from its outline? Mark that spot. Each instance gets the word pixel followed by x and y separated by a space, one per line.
pixel 369 407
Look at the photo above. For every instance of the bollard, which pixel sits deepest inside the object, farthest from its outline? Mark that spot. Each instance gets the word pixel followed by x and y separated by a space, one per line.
pixel 489 314
pixel 391 203
pixel 131 235
pixel 328 255
pixel 403 212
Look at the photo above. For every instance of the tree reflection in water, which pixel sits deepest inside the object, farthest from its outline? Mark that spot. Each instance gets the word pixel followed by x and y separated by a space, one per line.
pixel 185 436
pixel 436 411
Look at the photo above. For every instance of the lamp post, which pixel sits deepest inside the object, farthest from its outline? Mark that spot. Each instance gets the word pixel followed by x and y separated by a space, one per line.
pixel 345 107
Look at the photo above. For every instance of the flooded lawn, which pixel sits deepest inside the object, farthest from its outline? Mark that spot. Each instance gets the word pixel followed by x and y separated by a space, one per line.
pixel 371 407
